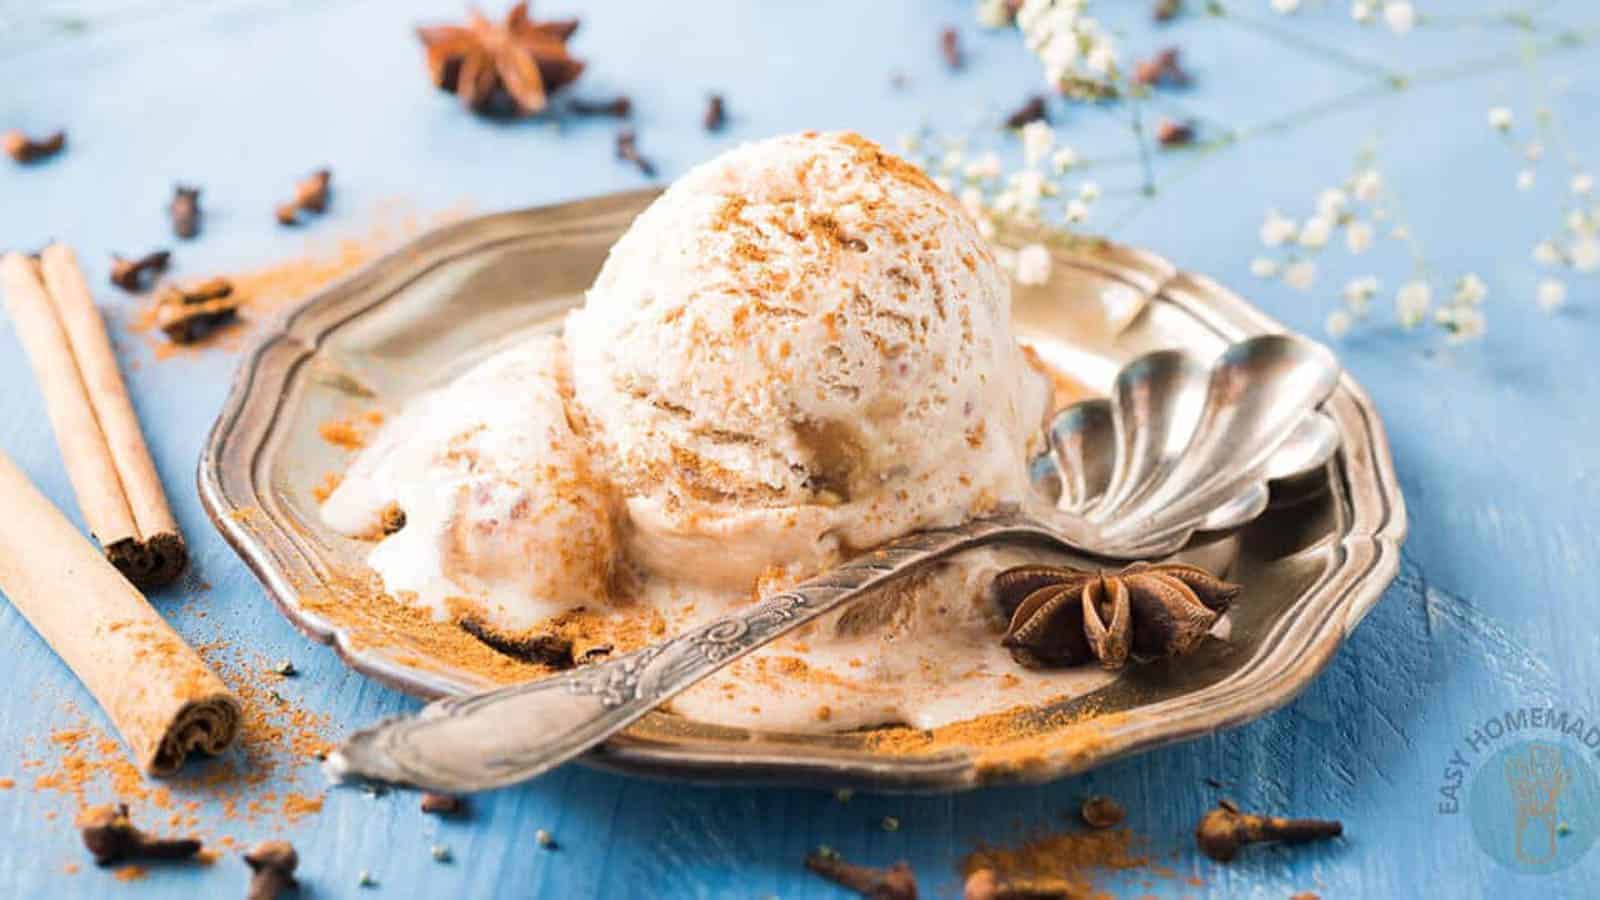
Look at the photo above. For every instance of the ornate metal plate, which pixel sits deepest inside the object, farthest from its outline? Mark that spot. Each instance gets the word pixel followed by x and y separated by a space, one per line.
pixel 1313 565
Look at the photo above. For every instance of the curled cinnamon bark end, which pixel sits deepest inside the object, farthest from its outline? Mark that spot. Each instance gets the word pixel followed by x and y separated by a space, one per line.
pixel 209 725
pixel 151 563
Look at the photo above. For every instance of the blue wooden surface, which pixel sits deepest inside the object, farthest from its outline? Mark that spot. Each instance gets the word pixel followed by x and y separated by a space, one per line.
pixel 1495 442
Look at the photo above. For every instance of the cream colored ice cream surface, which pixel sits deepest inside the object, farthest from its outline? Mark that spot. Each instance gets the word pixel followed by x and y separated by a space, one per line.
pixel 802 349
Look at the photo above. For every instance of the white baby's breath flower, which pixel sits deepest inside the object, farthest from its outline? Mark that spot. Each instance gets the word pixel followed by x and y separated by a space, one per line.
pixel 1400 16
pixel 1089 191
pixel 1331 202
pixel 1500 118
pixel 1534 151
pixel 1411 303
pixel 1037 140
pixel 1300 275
pixel 1585 254
pixel 1076 211
pixel 1262 267
pixel 1546 253
pixel 1361 11
pixel 984 167
pixel 1358 237
pixel 952 160
pixel 1358 292
pixel 1033 264
pixel 1577 220
pixel 1470 290
pixel 1316 232
pixel 1400 233
pixel 1583 184
pixel 1525 180
pixel 1102 58
pixel 1338 324
pixel 1367 184
pixel 1465 323
pixel 1063 159
pixel 1285 7
pixel 1277 229
pixel 1552 294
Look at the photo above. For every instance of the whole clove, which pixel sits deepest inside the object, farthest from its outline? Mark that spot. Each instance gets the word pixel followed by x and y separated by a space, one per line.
pixel 444 804
pixel 1224 830
pixel 272 865
pixel 187 315
pixel 716 113
pixel 987 884
pixel 25 149
pixel 1163 69
pixel 950 49
pixel 542 649
pixel 1174 134
pixel 184 211
pixel 628 151
pixel 1166 10
pixel 1034 110
pixel 310 195
pixel 129 274
pixel 619 108
pixel 897 882
pixel 111 837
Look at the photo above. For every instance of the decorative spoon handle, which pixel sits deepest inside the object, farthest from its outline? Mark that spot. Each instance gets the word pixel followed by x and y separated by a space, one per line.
pixel 491 740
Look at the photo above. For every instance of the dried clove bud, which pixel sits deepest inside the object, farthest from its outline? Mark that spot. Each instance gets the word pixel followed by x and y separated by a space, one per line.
pixel 129 274
pixel 272 864
pixel 543 649
pixel 950 48
pixel 444 804
pixel 716 113
pixel 185 211
pixel 188 315
pixel 24 149
pixel 310 195
pixel 619 108
pixel 1174 134
pixel 1101 812
pixel 628 151
pixel 111 838
pixel 1224 830
pixel 1034 110
pixel 987 884
pixel 1161 69
pixel 897 882
pixel 1166 10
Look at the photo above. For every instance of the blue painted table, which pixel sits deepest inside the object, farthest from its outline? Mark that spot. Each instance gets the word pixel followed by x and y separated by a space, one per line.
pixel 1495 441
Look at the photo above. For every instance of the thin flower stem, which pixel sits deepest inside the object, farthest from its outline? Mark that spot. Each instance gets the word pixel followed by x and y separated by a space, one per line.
pixel 1296 41
pixel 1146 167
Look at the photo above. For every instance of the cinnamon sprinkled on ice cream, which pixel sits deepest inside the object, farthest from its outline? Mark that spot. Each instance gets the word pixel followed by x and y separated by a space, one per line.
pixel 802 349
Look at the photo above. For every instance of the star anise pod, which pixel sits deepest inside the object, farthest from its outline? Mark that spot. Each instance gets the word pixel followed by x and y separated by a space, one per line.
pixel 1061 616
pixel 507 68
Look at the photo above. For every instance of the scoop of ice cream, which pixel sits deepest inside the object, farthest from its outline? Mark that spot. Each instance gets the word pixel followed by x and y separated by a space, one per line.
pixel 505 519
pixel 801 348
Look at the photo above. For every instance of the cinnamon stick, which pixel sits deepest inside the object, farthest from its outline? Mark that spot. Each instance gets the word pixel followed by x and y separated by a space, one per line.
pixel 118 490
pixel 160 695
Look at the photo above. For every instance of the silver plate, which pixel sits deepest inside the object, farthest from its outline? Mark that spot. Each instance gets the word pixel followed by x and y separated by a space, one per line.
pixel 1312 566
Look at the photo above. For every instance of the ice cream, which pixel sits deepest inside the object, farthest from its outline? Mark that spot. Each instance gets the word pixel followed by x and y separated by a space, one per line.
pixel 802 349
pixel 505 517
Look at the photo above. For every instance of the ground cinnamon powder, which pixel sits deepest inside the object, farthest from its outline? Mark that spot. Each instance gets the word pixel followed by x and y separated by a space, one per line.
pixel 1068 861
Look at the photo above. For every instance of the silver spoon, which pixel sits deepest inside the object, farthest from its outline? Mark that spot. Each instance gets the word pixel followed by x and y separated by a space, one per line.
pixel 1180 446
